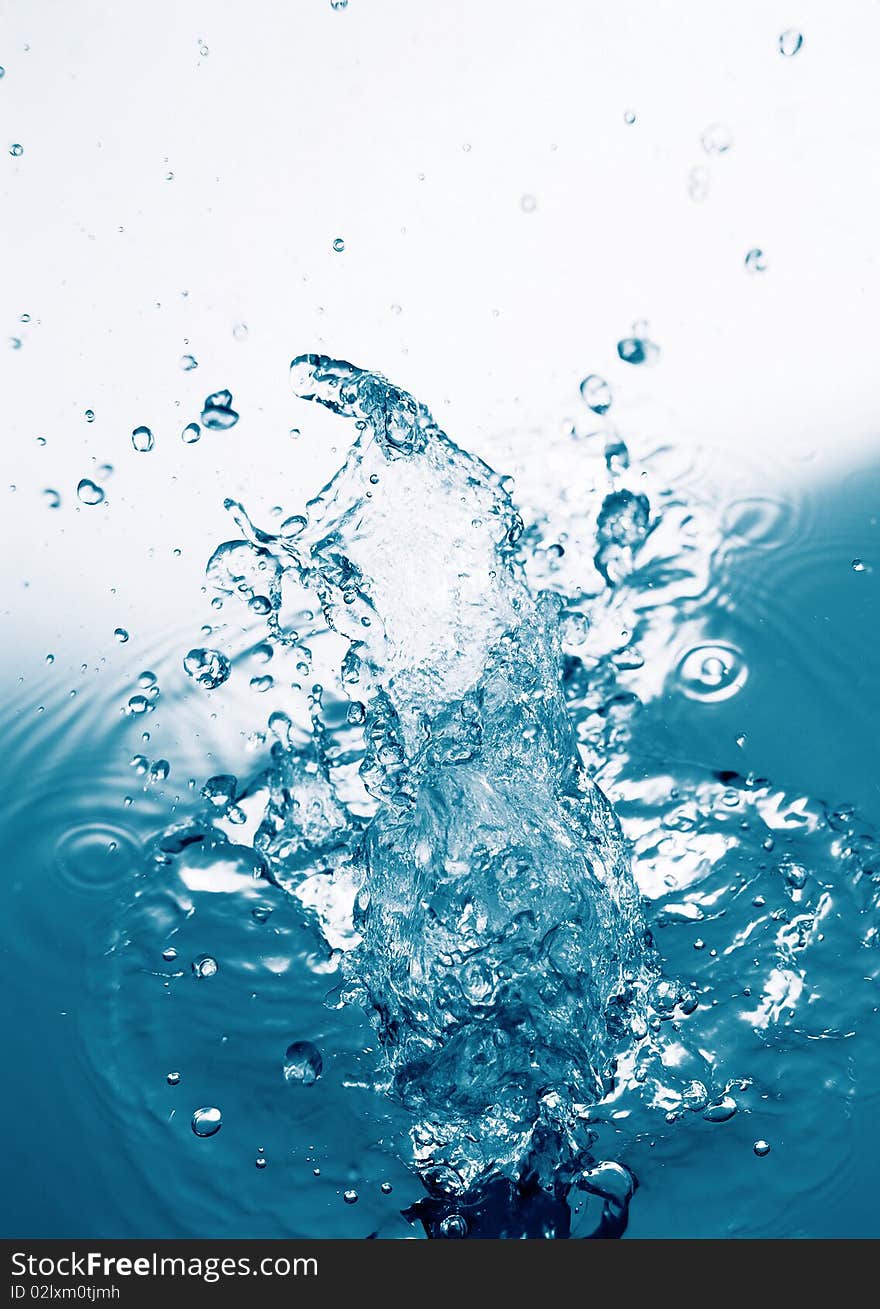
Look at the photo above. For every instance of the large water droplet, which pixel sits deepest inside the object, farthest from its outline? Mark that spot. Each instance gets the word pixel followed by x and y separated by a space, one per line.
pixel 302 1063
pixel 207 1121
pixel 89 492
pixel 142 440
pixel 790 42
pixel 218 414
pixel 712 672
pixel 597 393
pixel 209 668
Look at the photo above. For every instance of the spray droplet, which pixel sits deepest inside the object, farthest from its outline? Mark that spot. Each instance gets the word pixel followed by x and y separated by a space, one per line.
pixel 386 1188
pixel 190 434
pixel 209 668
pixel 755 260
pixel 790 42
pixel 207 1121
pixel 339 245
pixel 121 635
pixel 528 204
pixel 89 492
pixel 90 415
pixel 638 349
pixel 218 413
pixel 188 363
pixel 262 684
pixel 15 342
pixel 454 1227
pixel 142 440
pixel 302 1063
pixel 16 150
pixel 169 953
pixel 596 392
pixel 260 1161
pixel 761 1148
pixel 172 1079
pixel 295 432
pixel 205 966
pixel 338 4
pixel 160 770
pixel 858 566
pixel 629 117
pixel 52 498
pixel 138 704
pixel 350 1196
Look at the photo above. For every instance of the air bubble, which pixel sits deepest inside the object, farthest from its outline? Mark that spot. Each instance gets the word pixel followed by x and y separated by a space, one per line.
pixel 302 1063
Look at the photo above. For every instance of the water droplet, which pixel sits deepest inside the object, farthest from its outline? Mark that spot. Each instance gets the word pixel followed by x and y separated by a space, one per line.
pixel 717 139
pixel 188 363
pixel 712 672
pixel 2 72
pixel 386 1188
pixel 638 350
pixel 262 684
pixel 338 4
pixel 142 440
pixel 89 492
pixel 858 566
pixel 218 414
pixel 138 704
pixel 50 659
pixel 207 1121
pixel 173 1078
pixel 90 415
pixel 755 260
pixel 761 1148
pixel 169 954
pixel 339 245
pixel 240 331
pixel 52 498
pixel 190 434
pixel 596 393
pixel 261 913
pixel 209 668
pixel 15 342
pixel 528 204
pixel 629 117
pixel 350 1197
pixel 261 1161
pixel 121 635
pixel 205 966
pixel 790 42
pixel 721 1111
pixel 302 1063
pixel 16 150
pixel 220 790
pixel 140 763
pixel 160 770
pixel 454 1227
pixel 357 714
pixel 295 432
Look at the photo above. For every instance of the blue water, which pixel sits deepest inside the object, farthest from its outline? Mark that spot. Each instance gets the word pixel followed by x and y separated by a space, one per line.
pixel 500 861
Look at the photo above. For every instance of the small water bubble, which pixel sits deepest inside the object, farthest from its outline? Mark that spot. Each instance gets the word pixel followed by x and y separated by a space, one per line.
pixel 790 41
pixel 173 1079
pixel 121 635
pixel 260 604
pixel 90 415
pixel 208 668
pixel 160 770
pixel 339 245
pixel 50 659
pixel 386 1188
pixel 138 704
pixel 89 492
pixel 637 349
pixel 260 1161
pixel 755 261
pixel 169 954
pixel 190 434
pixel 761 1148
pixel 188 363
pixel 205 966
pixel 207 1121
pixel 712 672
pixel 142 440
pixel 52 498
pixel 240 331
pixel 717 139
pixel 302 1063
pixel 858 566
pixel 596 392
pixel 16 150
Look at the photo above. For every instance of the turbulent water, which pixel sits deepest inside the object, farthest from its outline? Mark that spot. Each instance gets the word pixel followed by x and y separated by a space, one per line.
pixel 451 838
pixel 473 916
